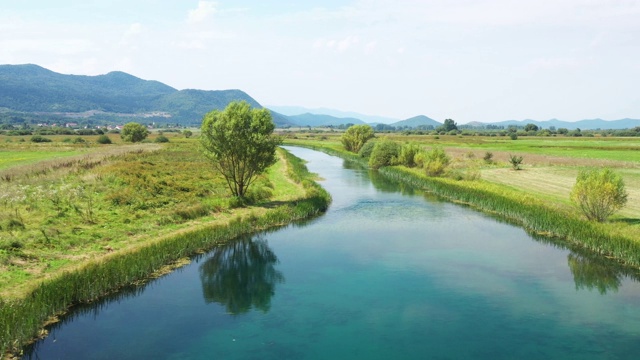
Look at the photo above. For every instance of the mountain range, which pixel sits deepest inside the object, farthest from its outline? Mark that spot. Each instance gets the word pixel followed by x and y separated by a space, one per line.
pixel 34 89
pixel 41 93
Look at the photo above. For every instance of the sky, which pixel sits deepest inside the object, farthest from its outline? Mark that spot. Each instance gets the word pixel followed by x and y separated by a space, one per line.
pixel 468 60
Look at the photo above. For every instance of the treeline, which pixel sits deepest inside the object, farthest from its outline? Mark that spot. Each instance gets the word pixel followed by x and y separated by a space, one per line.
pixel 32 120
pixel 510 131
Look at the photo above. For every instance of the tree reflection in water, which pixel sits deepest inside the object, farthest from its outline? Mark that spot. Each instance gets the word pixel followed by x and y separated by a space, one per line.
pixel 241 275
pixel 593 273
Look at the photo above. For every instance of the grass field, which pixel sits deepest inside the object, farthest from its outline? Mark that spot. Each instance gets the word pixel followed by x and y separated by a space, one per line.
pixel 66 204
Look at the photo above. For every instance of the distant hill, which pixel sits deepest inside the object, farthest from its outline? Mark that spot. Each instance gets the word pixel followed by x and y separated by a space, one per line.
pixel 281 120
pixel 416 121
pixel 298 110
pixel 34 89
pixel 314 120
pixel 193 104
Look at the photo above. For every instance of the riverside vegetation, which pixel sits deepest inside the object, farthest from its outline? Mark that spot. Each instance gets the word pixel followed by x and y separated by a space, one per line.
pixel 81 220
pixel 479 172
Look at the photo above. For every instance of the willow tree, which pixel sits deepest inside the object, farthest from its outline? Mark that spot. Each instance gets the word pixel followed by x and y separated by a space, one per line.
pixel 356 136
pixel 239 140
pixel 599 193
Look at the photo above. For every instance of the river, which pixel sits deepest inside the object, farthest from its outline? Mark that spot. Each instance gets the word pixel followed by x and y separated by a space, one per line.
pixel 388 272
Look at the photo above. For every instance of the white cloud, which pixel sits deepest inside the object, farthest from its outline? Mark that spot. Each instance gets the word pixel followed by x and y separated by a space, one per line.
pixel 340 45
pixel 370 47
pixel 204 10
pixel 131 33
pixel 557 63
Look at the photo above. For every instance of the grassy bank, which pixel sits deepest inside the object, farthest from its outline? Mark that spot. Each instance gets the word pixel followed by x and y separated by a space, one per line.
pixel 169 240
pixel 548 215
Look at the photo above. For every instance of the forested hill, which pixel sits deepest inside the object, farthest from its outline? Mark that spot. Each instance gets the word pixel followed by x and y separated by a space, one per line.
pixel 31 88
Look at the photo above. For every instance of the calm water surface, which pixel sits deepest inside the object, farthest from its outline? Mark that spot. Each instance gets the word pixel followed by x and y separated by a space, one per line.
pixel 386 273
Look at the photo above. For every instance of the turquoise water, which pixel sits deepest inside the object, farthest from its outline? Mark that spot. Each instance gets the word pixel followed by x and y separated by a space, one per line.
pixel 387 273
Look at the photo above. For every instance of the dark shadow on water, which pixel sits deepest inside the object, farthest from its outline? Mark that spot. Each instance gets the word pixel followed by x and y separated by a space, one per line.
pixel 83 309
pixel 241 275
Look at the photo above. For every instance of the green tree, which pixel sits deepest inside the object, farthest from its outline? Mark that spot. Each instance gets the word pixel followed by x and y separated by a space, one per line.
pixel 407 156
pixel 240 143
pixel 599 193
pixel 187 133
pixel 384 153
pixel 134 132
pixel 356 136
pixel 435 161
pixel 531 127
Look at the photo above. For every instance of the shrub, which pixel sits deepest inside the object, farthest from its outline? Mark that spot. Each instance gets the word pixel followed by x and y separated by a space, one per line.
pixel 515 161
pixel 356 136
pixel 134 132
pixel 384 153
pixel 513 136
pixel 104 139
pixel 488 157
pixel 367 148
pixel 599 193
pixel 436 162
pixel 39 139
pixel 161 139
pixel 79 140
pixel 187 133
pixel 407 156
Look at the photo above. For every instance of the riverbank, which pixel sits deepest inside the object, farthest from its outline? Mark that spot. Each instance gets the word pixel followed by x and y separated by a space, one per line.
pixel 536 214
pixel 294 196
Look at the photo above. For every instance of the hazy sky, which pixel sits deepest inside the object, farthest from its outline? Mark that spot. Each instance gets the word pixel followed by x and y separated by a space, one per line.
pixel 469 60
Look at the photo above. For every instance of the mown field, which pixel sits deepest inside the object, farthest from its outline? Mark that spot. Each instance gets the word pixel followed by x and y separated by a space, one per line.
pixel 63 204
pixel 548 171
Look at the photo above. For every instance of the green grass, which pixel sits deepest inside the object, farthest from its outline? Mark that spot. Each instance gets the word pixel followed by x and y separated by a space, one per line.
pixel 13 158
pixel 617 149
pixel 145 251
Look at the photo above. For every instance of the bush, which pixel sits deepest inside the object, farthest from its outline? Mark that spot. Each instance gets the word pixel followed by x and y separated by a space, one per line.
pixel 79 140
pixel 356 136
pixel 367 148
pixel 488 157
pixel 39 139
pixel 103 139
pixel 515 161
pixel 599 193
pixel 134 132
pixel 161 139
pixel 408 154
pixel 436 162
pixel 384 153
pixel 513 136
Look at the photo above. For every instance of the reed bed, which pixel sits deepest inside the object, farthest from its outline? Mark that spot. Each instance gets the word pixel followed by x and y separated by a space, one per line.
pixel 22 320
